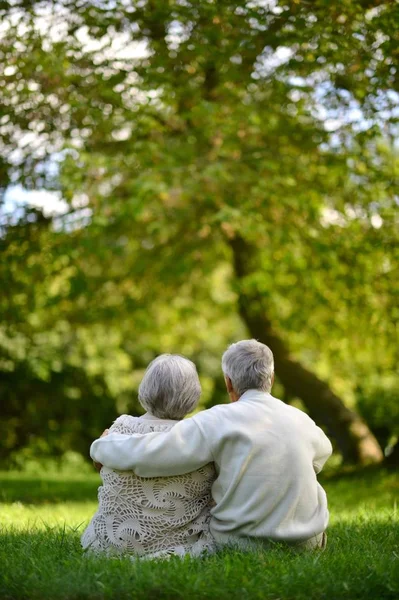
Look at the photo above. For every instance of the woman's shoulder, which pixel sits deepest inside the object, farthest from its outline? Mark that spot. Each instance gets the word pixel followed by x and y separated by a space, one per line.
pixel 124 422
pixel 129 424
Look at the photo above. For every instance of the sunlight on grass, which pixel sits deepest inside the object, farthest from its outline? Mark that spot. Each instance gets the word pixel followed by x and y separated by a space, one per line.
pixel 28 501
pixel 42 517
pixel 370 496
pixel 29 516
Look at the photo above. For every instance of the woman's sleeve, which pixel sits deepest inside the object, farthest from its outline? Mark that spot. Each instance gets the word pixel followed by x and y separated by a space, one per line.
pixel 181 450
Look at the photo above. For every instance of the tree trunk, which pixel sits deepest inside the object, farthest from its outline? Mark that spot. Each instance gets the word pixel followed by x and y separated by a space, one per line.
pixel 392 460
pixel 354 439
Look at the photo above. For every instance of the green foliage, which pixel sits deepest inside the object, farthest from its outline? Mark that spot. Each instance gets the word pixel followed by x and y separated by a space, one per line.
pixel 73 347
pixel 169 129
pixel 378 403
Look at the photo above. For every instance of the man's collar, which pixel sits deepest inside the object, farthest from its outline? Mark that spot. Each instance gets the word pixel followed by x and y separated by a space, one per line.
pixel 253 394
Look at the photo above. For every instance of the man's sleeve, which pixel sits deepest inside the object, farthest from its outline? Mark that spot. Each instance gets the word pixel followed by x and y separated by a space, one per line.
pixel 181 450
pixel 323 450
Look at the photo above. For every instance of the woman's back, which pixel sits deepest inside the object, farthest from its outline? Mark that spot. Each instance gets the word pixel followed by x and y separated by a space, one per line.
pixel 152 517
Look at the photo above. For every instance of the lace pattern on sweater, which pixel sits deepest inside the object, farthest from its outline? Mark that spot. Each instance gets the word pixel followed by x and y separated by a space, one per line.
pixel 152 517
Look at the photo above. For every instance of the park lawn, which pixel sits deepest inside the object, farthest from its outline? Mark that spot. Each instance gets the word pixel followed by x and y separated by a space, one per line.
pixel 41 519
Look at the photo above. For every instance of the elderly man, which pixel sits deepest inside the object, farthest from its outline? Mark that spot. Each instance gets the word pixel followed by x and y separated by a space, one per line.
pixel 266 454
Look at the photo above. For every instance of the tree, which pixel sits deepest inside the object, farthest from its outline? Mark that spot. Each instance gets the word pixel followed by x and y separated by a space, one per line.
pixel 238 126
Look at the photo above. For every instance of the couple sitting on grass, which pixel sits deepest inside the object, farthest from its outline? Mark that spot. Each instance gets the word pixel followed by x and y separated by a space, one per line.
pixel 242 473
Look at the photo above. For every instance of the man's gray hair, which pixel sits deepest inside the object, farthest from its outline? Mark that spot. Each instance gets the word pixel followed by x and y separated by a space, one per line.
pixel 250 366
pixel 170 387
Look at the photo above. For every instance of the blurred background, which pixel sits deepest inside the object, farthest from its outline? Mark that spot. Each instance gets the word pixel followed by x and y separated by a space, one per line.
pixel 176 175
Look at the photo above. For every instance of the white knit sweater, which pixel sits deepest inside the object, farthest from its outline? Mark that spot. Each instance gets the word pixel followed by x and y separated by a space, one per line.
pixel 266 453
pixel 151 517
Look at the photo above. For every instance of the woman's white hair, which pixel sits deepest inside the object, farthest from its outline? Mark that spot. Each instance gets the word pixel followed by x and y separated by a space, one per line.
pixel 170 387
pixel 249 365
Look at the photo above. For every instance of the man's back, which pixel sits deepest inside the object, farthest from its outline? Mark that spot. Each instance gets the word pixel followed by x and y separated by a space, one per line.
pixel 266 455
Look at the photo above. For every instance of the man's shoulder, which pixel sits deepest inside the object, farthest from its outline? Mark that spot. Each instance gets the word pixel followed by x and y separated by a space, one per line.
pixel 212 415
pixel 298 416
pixel 222 414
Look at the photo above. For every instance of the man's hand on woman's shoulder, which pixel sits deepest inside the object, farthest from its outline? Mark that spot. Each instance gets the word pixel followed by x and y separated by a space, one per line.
pixel 97 465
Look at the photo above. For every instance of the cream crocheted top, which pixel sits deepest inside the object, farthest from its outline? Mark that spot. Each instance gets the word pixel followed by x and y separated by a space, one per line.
pixel 153 517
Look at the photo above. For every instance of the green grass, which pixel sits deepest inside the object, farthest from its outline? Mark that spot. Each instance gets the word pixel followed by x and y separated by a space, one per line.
pixel 41 519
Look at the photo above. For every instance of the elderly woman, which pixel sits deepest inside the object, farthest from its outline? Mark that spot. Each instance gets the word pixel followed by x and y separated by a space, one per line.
pixel 155 517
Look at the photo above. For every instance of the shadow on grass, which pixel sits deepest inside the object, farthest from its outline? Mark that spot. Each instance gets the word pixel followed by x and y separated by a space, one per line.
pixel 375 488
pixel 47 490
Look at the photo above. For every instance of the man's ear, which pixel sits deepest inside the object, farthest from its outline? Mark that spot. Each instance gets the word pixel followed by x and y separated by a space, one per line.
pixel 229 385
pixel 272 382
